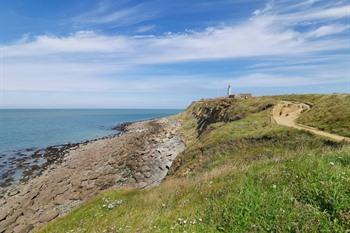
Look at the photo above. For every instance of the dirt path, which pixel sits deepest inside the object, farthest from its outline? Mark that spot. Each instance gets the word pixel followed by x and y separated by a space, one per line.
pixel 285 113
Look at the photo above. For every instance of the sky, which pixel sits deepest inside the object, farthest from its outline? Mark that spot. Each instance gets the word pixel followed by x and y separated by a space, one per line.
pixel 166 53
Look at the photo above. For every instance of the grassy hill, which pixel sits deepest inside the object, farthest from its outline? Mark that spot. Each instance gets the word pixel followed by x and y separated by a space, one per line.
pixel 330 113
pixel 239 173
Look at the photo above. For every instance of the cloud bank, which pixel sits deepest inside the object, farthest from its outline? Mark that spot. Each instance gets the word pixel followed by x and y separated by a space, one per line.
pixel 94 61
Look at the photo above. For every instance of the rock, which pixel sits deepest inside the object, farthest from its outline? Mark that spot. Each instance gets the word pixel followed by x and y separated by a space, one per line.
pixel 61 189
pixel 29 211
pixel 75 181
pixel 88 184
pixel 74 196
pixel 60 200
pixel 10 220
pixel 122 127
pixel 2 202
pixel 147 174
pixel 4 214
pixel 23 228
pixel 27 203
pixel 21 220
pixel 129 160
pixel 13 192
pixel 48 216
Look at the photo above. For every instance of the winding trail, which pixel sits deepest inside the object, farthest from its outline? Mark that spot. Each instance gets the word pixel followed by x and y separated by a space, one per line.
pixel 286 112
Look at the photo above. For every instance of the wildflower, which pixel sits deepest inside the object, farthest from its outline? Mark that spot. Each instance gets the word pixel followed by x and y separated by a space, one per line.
pixel 110 206
pixel 119 202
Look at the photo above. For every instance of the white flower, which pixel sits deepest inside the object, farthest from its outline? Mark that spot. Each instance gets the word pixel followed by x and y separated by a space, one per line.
pixel 110 206
pixel 119 202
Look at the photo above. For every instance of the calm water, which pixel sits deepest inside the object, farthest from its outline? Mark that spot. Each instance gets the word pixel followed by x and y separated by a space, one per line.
pixel 21 129
pixel 24 131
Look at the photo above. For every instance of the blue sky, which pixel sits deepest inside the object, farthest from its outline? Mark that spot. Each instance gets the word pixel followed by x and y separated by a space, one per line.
pixel 165 54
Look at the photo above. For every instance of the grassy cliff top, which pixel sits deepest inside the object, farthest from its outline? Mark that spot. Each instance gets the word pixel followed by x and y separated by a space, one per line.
pixel 240 173
pixel 330 113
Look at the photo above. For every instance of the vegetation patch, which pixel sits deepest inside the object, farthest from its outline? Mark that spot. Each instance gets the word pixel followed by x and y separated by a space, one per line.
pixel 330 113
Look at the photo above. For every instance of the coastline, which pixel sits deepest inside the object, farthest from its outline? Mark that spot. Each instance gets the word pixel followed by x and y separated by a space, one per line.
pixel 33 161
pixel 138 157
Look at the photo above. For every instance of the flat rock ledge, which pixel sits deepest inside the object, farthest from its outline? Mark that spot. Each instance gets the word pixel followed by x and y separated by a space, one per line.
pixel 139 158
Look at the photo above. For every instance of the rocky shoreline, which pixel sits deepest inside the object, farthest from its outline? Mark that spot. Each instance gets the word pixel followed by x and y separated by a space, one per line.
pixel 138 158
pixel 31 162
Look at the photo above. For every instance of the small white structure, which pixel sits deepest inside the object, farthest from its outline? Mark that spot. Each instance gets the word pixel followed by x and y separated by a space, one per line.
pixel 229 90
pixel 239 95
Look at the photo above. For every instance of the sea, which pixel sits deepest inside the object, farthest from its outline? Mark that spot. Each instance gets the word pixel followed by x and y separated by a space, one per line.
pixel 25 130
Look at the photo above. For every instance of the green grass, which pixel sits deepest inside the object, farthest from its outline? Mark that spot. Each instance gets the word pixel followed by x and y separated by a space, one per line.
pixel 274 196
pixel 248 175
pixel 288 196
pixel 330 113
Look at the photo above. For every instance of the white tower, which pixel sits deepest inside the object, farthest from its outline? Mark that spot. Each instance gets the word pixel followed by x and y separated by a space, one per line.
pixel 229 90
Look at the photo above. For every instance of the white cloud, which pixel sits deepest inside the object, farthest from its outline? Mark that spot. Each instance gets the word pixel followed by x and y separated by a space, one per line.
pixel 80 42
pixel 145 28
pixel 266 80
pixel 259 36
pixel 328 30
pixel 329 13
pixel 116 15
pixel 305 11
pixel 83 60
